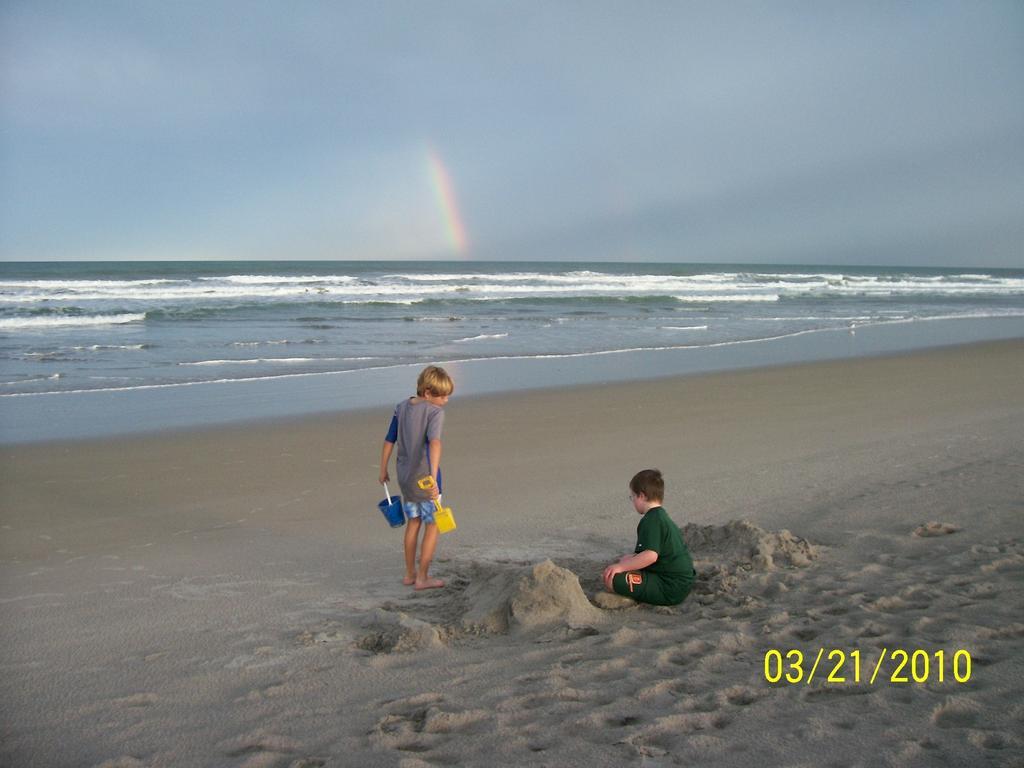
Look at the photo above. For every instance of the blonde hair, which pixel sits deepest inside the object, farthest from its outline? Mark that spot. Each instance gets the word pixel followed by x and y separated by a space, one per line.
pixel 435 379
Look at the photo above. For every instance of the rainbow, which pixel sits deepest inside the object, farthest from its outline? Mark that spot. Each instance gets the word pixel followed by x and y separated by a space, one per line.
pixel 442 182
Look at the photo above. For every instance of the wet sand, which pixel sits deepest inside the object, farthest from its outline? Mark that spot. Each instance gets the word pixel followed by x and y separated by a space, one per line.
pixel 232 596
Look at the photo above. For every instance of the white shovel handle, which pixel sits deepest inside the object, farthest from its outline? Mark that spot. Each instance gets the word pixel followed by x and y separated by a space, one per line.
pixel 387 492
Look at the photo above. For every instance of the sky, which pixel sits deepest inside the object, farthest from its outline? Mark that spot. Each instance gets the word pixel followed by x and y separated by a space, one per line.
pixel 887 133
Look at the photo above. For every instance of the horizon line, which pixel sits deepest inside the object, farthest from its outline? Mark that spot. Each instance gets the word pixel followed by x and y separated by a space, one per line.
pixel 465 261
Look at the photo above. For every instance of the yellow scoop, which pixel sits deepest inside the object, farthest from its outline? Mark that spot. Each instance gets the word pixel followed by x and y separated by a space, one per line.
pixel 443 516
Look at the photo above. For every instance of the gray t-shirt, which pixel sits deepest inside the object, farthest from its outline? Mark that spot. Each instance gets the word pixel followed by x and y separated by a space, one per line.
pixel 418 422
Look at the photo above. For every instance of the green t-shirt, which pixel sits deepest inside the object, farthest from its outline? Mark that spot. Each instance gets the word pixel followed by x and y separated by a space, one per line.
pixel 657 532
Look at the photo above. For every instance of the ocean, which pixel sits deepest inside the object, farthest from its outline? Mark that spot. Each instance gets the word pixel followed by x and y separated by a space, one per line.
pixel 81 342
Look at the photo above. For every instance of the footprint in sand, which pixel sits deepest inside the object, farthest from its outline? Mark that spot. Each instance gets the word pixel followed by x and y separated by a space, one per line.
pixel 137 700
pixel 935 528
pixel 662 692
pixel 422 723
pixel 457 722
pixel 836 610
pixel 682 688
pixel 267 747
pixel 125 761
pixel 611 670
pixel 957 712
pixel 1010 631
pixel 685 653
pixel 672 732
pixel 411 703
pixel 888 604
pixel 740 695
pixel 525 703
pixel 982 591
pixel 531 678
pixel 804 634
pixel 989 739
pixel 625 721
pixel 872 630
pixel 266 692
pixel 706 703
pixel 675 658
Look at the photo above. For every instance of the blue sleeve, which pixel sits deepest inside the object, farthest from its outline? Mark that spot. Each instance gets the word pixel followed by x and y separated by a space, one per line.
pixel 393 430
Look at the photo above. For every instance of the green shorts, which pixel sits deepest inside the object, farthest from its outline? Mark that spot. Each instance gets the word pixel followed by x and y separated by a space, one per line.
pixel 647 587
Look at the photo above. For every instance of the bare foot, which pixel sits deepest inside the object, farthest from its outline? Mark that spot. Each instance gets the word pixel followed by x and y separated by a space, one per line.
pixel 429 584
pixel 408 580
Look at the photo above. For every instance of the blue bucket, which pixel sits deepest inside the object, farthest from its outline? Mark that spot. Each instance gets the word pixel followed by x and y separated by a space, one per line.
pixel 391 508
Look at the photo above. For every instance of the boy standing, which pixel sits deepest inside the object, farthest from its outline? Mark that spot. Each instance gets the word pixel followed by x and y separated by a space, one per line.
pixel 660 571
pixel 416 428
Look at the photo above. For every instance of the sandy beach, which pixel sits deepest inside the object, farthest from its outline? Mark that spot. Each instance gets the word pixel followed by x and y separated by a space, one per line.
pixel 232 596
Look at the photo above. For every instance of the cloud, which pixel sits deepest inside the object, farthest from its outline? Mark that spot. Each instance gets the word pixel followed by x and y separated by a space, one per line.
pixel 738 130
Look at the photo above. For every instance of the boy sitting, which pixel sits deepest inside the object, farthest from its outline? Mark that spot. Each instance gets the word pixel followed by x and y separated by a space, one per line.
pixel 660 570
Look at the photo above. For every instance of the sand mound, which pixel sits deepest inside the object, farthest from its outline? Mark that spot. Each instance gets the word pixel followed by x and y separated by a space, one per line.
pixel 727 557
pixel 483 599
pixel 388 632
pixel 501 598
pixel 486 598
pixel 741 543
